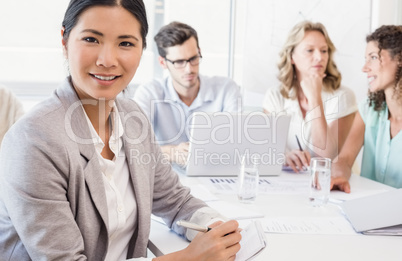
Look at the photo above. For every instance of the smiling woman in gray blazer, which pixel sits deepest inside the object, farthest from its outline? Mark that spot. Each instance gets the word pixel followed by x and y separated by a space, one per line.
pixel 81 173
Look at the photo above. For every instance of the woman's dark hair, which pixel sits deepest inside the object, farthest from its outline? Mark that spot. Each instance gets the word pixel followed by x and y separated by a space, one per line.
pixel 76 7
pixel 387 37
pixel 173 34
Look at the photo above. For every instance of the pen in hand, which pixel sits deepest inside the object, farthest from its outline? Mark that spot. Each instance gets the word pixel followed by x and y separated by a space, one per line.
pixel 301 149
pixel 193 226
pixel 298 143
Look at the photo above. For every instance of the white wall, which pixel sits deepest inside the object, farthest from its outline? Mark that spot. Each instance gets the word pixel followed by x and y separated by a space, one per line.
pixel 386 12
pixel 30 40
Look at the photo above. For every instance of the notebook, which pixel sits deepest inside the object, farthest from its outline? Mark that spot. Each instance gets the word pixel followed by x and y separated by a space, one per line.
pixel 379 214
pixel 252 243
pixel 218 141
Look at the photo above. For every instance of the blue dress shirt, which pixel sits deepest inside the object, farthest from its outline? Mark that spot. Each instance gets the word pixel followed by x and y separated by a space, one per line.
pixel 171 117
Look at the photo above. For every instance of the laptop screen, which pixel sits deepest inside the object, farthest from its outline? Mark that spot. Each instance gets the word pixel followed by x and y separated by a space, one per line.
pixel 218 141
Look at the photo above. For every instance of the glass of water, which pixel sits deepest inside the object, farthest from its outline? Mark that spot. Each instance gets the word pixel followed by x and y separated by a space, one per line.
pixel 248 178
pixel 320 181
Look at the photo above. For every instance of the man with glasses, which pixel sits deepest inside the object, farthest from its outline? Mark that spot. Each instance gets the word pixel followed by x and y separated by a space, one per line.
pixel 170 102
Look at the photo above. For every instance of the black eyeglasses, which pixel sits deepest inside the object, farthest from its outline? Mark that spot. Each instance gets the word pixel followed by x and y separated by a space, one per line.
pixel 179 64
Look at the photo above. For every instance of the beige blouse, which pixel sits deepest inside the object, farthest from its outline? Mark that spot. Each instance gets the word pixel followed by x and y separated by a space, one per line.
pixel 11 110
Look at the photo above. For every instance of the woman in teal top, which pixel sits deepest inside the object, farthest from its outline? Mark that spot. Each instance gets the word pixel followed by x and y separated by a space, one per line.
pixel 379 118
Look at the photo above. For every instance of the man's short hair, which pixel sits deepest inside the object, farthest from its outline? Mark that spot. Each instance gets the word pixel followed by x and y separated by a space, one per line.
pixel 173 34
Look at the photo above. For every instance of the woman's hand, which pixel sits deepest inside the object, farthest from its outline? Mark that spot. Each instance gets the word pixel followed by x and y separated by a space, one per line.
pixel 340 175
pixel 176 153
pixel 298 160
pixel 312 86
pixel 180 153
pixel 220 243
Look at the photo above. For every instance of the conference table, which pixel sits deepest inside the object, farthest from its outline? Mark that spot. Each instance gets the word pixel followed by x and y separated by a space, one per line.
pixel 298 246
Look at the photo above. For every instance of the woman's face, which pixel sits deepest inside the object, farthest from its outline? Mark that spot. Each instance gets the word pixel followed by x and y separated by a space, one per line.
pixel 381 72
pixel 103 52
pixel 310 56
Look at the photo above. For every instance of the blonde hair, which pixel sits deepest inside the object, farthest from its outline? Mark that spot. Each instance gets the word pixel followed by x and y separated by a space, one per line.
pixel 287 75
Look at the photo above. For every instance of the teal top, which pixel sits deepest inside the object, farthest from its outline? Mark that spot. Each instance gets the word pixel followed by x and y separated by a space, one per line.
pixel 382 156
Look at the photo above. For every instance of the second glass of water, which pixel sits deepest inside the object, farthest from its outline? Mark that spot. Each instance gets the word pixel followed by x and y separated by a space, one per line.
pixel 248 178
pixel 320 181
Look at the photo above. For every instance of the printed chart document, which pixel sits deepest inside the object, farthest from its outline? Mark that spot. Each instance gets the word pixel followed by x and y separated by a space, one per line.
pixel 252 242
pixel 379 214
pixel 308 225
pixel 267 185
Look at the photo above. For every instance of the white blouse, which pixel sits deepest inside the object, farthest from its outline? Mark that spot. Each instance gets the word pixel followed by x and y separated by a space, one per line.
pixel 337 104
pixel 122 207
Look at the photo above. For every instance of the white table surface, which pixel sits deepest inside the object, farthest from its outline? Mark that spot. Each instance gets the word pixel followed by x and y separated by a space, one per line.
pixel 299 246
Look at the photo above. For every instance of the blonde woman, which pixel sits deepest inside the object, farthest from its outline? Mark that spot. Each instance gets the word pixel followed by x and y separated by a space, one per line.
pixel 310 91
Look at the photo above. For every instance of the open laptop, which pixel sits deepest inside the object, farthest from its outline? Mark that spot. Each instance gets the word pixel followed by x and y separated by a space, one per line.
pixel 218 141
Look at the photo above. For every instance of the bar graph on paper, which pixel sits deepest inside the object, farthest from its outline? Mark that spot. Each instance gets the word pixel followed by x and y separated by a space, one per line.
pixel 228 185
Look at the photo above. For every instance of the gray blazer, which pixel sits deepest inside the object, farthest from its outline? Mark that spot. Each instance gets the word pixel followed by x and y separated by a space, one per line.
pixel 52 200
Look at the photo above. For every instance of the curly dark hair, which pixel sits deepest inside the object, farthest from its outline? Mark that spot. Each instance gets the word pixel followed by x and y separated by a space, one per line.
pixel 388 37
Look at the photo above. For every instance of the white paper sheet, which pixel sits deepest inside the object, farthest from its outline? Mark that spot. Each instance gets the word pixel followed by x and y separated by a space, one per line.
pixel 233 211
pixel 308 225
pixel 200 191
pixel 355 193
